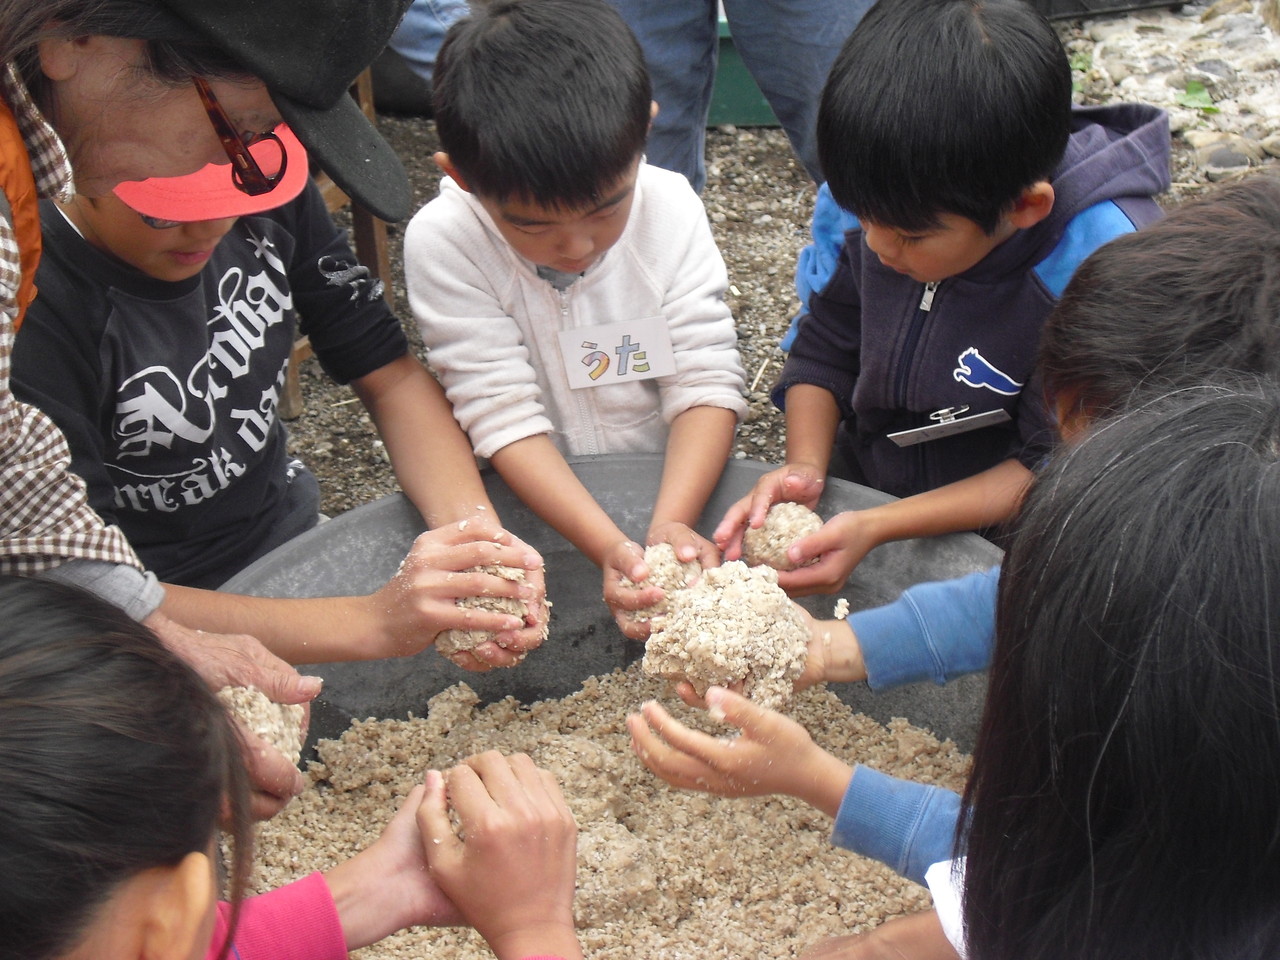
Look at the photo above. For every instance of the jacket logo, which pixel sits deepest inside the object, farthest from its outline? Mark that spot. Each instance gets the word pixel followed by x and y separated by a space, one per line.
pixel 974 369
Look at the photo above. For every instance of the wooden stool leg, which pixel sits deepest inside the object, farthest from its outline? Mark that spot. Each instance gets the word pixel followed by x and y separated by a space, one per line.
pixel 291 399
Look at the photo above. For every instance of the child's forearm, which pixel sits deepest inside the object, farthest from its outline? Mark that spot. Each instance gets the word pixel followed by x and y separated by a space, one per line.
pixel 812 419
pixel 540 477
pixel 983 500
pixel 429 452
pixel 311 630
pixel 558 941
pixel 697 450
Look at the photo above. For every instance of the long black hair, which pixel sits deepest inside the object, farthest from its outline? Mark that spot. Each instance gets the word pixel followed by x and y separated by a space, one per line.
pixel 115 757
pixel 1125 796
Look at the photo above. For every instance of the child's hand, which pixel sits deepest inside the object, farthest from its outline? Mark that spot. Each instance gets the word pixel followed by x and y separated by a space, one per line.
pixel 512 876
pixel 387 887
pixel 224 659
pixel 688 544
pixel 419 601
pixel 838 547
pixel 797 482
pixel 626 559
pixel 834 654
pixel 772 754
pixel 918 936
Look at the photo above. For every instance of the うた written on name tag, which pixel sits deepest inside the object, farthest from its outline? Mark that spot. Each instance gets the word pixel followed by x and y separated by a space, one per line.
pixel 610 353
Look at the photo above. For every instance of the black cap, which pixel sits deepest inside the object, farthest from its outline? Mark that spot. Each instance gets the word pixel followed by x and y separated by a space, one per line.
pixel 308 53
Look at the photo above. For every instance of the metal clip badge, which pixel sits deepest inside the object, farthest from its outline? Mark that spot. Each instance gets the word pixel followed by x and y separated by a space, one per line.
pixel 947 423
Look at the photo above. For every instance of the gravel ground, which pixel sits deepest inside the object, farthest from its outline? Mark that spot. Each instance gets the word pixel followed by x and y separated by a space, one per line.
pixel 759 200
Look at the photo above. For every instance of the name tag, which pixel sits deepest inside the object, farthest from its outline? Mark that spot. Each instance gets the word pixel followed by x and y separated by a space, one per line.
pixel 609 353
pixel 949 423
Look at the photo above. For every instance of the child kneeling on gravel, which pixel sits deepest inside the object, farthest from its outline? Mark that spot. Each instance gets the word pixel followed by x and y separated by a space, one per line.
pixel 159 343
pixel 570 295
pixel 947 127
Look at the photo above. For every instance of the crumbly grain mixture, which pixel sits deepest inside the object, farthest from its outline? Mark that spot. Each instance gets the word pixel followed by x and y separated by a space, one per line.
pixel 735 625
pixel 784 524
pixel 666 571
pixel 661 873
pixel 280 724
pixel 452 641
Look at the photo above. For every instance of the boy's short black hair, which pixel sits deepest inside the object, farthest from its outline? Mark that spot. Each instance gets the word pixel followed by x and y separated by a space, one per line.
pixel 544 100
pixel 944 106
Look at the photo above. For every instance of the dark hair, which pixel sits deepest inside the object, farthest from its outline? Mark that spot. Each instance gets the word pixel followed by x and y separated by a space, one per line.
pixel 1125 794
pixel 115 757
pixel 1191 299
pixel 943 106
pixel 23 24
pixel 544 100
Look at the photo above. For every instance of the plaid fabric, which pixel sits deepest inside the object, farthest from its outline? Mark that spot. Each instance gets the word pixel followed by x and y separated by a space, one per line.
pixel 44 515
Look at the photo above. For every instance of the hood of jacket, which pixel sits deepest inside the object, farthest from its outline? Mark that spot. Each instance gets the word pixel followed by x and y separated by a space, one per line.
pixel 1116 152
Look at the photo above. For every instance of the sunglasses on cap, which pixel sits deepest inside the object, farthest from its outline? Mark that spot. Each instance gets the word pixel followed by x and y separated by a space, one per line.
pixel 246 174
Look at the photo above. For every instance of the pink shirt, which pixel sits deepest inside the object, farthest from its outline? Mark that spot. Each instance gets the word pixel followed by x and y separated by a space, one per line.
pixel 296 922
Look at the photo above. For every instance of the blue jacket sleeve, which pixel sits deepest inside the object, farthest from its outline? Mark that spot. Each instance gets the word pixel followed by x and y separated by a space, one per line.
pixel 934 631
pixel 817 261
pixel 905 825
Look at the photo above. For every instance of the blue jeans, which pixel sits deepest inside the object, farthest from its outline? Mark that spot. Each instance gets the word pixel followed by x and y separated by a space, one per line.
pixel 422 30
pixel 787 45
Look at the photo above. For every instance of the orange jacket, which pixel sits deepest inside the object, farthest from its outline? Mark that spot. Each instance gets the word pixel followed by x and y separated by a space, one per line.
pixel 19 189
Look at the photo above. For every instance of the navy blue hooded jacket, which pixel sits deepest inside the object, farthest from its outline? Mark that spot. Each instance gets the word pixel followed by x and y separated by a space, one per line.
pixel 892 350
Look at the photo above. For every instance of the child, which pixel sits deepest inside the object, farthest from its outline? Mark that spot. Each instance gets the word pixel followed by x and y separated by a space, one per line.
pixel 946 127
pixel 116 762
pixel 1125 798
pixel 159 345
pixel 1204 309
pixel 571 295
pixel 1193 299
pixel 1125 794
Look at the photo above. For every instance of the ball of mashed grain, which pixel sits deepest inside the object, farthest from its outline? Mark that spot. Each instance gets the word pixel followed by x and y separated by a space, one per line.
pixel 280 724
pixel 450 642
pixel 734 625
pixel 785 523
pixel 666 571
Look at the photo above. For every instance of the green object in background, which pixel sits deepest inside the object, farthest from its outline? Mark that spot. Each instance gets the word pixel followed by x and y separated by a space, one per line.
pixel 735 98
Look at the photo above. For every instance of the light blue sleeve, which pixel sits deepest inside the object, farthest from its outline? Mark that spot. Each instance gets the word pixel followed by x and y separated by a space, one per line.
pixel 1088 230
pixel 907 826
pixel 817 261
pixel 935 631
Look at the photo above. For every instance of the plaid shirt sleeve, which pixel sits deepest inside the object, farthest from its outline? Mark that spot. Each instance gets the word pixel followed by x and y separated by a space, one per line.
pixel 45 517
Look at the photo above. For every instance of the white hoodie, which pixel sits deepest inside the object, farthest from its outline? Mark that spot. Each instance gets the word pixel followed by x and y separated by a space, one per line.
pixel 491 324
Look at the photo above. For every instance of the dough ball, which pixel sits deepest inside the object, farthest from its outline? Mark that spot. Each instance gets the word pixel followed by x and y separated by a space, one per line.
pixel 667 572
pixel 280 724
pixel 734 625
pixel 450 642
pixel 785 523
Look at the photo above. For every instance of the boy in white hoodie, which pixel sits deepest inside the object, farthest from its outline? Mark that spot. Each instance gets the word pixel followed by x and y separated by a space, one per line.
pixel 571 296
